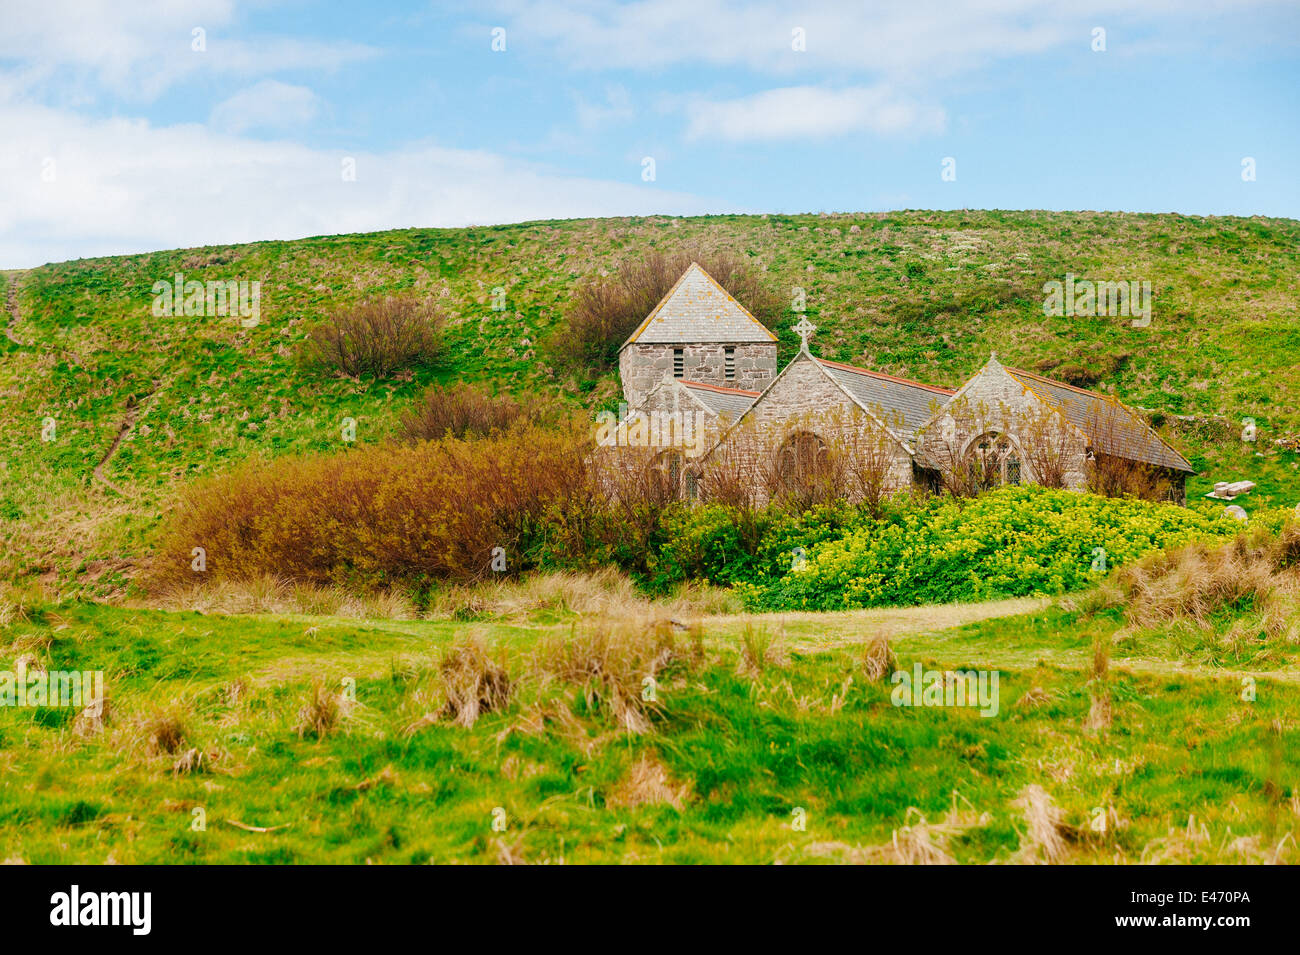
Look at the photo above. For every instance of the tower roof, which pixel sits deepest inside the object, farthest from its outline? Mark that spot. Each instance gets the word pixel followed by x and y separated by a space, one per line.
pixel 698 309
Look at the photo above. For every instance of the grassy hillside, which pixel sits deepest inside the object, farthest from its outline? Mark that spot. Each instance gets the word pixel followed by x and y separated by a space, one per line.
pixel 230 718
pixel 921 294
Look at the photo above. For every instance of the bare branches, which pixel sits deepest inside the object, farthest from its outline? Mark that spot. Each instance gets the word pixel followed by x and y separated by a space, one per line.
pixel 1111 474
pixel 951 445
pixel 1052 448
pixel 379 337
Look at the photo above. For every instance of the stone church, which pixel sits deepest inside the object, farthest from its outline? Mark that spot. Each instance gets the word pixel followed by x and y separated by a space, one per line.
pixel 704 394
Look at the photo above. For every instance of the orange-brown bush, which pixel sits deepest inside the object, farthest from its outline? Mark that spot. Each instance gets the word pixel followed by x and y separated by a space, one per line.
pixel 619 522
pixel 463 409
pixel 378 338
pixel 376 515
pixel 606 310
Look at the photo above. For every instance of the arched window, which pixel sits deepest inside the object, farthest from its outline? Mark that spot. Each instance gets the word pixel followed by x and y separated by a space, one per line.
pixel 801 461
pixel 668 469
pixel 992 460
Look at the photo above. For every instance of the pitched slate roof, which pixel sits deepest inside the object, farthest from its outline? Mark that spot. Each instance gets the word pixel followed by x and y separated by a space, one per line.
pixel 1113 428
pixel 698 309
pixel 732 402
pixel 897 396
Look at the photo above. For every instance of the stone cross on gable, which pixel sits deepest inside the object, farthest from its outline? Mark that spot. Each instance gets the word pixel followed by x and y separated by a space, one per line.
pixel 803 329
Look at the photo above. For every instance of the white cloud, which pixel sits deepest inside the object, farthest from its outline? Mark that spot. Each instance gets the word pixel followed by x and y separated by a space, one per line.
pixel 124 186
pixel 898 39
pixel 811 112
pixel 269 104
pixel 80 49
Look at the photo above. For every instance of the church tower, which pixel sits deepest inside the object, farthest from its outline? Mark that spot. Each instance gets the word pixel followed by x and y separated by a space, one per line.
pixel 697 333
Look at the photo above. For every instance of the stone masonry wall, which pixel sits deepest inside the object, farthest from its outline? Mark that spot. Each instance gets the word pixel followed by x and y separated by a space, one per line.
pixel 641 367
pixel 994 401
pixel 804 399
pixel 701 428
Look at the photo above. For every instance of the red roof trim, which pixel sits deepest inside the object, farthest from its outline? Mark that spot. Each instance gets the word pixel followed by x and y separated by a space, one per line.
pixel 881 374
pixel 725 391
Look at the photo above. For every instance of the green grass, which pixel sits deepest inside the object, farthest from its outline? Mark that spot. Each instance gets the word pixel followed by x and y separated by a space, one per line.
pixel 750 749
pixel 922 294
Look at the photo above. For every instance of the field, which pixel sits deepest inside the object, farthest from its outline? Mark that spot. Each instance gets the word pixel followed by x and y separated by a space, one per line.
pixel 1145 714
pixel 760 722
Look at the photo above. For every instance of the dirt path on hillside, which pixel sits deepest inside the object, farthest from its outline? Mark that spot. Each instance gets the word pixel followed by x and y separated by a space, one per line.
pixel 132 407
pixel 128 422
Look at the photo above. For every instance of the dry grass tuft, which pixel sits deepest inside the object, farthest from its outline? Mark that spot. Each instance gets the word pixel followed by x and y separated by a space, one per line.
pixel 31 663
pixel 194 760
pixel 1099 712
pixel 1191 584
pixel 17 604
pixel 510 853
pixel 1045 840
pixel 165 732
pixel 648 783
pixel 1193 590
pixel 90 721
pixel 917 842
pixel 1180 845
pixel 546 716
pixel 320 711
pixel 604 592
pixel 1285 550
pixel 472 682
pixel 759 649
pixel 1035 697
pixel 267 594
pixel 386 778
pixel 878 658
pixel 616 665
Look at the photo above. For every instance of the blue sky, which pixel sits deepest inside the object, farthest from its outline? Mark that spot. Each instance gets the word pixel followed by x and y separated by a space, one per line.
pixel 119 136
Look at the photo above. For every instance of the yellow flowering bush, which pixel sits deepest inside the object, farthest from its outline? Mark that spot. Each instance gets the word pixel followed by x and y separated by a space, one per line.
pixel 1016 541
